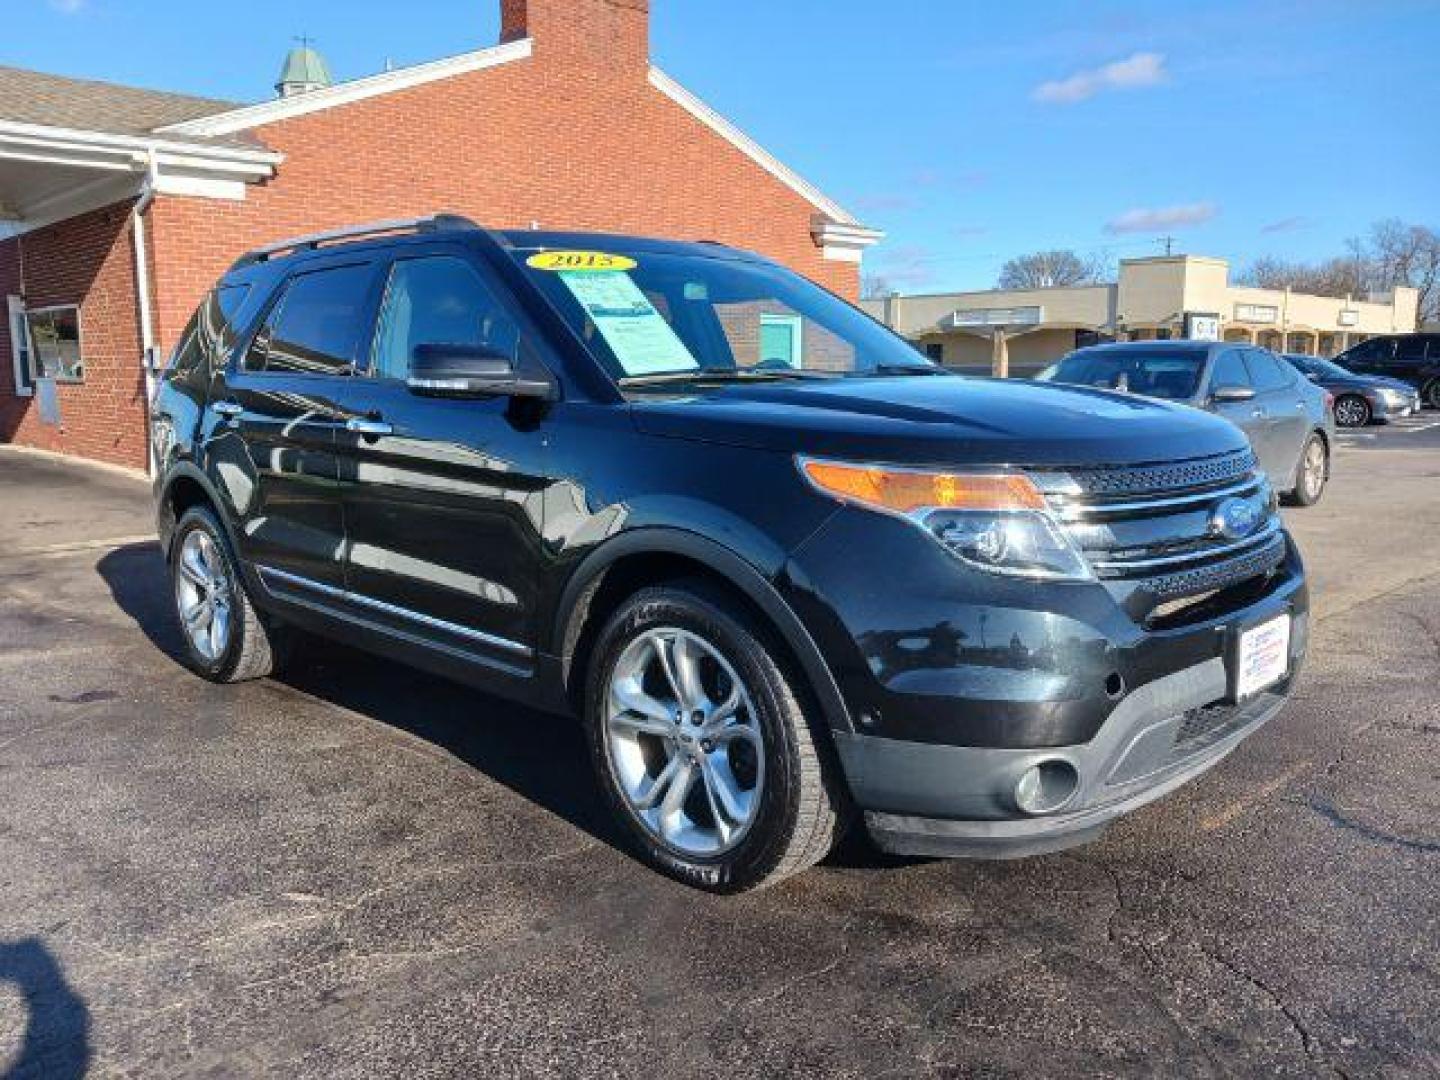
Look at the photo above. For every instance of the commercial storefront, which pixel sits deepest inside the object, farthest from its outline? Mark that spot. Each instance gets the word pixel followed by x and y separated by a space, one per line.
pixel 119 207
pixel 1182 296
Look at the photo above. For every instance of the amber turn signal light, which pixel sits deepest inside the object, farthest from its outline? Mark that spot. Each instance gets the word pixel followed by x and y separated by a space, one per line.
pixel 905 491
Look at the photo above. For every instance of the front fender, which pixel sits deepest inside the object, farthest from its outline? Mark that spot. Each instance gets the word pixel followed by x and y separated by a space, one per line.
pixel 738 571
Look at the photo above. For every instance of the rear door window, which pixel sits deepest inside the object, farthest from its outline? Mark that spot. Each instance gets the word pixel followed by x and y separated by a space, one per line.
pixel 1230 370
pixel 1410 350
pixel 1267 373
pixel 317 325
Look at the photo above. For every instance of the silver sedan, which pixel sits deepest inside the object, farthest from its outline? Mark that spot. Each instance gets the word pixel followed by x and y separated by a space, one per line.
pixel 1289 420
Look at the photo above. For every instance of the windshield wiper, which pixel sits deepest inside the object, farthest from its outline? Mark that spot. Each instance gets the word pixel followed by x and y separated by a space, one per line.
pixel 665 378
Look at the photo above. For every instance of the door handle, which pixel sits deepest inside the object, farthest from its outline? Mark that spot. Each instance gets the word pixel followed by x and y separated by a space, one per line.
pixel 230 410
pixel 1259 414
pixel 371 429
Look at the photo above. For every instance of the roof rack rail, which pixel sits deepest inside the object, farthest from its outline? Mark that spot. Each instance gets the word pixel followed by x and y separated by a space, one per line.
pixel 427 224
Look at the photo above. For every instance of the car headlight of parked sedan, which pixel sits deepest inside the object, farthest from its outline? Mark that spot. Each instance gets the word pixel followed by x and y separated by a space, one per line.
pixel 1394 399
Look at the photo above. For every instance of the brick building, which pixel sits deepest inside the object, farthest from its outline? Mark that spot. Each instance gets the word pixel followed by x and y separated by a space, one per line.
pixel 119 207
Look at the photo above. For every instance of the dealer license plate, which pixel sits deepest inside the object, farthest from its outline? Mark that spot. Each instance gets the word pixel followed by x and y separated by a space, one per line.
pixel 1264 657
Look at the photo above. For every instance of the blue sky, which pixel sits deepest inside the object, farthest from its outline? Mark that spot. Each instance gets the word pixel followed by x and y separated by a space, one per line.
pixel 968 131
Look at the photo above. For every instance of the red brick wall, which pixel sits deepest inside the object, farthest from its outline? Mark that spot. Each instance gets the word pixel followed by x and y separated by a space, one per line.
pixel 90 261
pixel 557 139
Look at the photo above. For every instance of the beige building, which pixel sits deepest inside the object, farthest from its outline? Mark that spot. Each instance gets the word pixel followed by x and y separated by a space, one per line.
pixel 1179 296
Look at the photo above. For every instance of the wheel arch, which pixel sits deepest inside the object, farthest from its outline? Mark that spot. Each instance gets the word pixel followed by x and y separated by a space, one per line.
pixel 185 486
pixel 652 556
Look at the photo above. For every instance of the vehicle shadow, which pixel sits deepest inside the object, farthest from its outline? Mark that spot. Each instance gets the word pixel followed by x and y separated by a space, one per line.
pixel 140 586
pixel 541 757
pixel 56 1040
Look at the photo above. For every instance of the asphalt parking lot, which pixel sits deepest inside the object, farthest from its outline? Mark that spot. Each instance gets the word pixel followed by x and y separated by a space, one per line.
pixel 359 870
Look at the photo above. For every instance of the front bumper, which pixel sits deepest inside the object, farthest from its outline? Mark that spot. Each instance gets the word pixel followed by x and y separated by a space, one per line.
pixel 959 684
pixel 956 801
pixel 1398 409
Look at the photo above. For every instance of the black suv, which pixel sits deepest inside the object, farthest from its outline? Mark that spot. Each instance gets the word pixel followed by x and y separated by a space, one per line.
pixel 785 568
pixel 1413 358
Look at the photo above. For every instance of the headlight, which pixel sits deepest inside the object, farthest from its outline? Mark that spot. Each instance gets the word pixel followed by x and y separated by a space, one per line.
pixel 993 521
pixel 1393 398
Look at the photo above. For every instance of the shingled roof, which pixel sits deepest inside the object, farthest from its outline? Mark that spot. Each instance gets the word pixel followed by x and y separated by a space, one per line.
pixel 34 97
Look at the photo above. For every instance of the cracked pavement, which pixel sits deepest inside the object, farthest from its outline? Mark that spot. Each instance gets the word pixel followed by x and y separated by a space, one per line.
pixel 361 870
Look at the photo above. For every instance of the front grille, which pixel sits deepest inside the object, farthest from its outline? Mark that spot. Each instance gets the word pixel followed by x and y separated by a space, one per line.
pixel 1149 527
pixel 1151 479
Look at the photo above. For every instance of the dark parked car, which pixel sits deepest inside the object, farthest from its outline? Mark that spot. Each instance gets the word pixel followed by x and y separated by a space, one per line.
pixel 784 568
pixel 1290 422
pixel 1412 358
pixel 1359 399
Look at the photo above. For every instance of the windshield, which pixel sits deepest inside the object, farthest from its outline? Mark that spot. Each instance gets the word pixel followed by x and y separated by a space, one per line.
pixel 1162 373
pixel 677 317
pixel 1315 365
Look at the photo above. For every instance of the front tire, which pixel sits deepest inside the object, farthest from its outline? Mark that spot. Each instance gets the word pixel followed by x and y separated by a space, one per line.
pixel 226 640
pixel 1352 411
pixel 1312 473
pixel 702 745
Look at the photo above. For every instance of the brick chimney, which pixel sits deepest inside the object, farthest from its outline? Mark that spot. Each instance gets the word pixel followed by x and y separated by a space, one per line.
pixel 598 33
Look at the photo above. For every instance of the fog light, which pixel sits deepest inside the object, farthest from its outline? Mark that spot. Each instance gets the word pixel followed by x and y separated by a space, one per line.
pixel 1046 787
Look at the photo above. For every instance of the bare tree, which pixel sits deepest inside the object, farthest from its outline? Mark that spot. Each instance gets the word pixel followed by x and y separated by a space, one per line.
pixel 1400 254
pixel 875 287
pixel 1393 254
pixel 1048 269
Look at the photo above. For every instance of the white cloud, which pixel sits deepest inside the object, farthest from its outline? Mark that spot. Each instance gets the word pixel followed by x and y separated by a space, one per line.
pixel 1165 217
pixel 1289 224
pixel 69 7
pixel 1141 69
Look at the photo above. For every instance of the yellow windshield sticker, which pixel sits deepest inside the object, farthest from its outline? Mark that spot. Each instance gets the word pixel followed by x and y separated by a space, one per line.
pixel 579 262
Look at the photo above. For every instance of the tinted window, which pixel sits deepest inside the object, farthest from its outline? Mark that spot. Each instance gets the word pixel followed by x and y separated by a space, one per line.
pixel 1369 351
pixel 1268 373
pixel 211 333
pixel 1410 349
pixel 438 301
pixel 316 326
pixel 1229 370
pixel 1164 373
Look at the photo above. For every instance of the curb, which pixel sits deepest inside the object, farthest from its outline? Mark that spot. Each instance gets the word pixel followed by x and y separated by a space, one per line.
pixel 73 459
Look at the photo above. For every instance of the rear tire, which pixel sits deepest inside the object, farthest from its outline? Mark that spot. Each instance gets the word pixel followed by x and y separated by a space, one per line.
pixel 1431 394
pixel 1352 411
pixel 1312 473
pixel 226 638
pixel 702 745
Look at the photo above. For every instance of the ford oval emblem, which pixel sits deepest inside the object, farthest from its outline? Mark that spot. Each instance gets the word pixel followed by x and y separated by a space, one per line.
pixel 1234 519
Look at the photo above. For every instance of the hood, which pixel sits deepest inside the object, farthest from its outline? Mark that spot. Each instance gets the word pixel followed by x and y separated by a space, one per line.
pixel 1365 382
pixel 942 420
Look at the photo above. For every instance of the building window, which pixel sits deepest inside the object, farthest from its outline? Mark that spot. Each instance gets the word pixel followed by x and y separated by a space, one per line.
pixel 782 341
pixel 55 351
pixel 1256 313
pixel 935 350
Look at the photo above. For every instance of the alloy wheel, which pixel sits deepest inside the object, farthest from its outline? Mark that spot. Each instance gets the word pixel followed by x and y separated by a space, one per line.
pixel 1352 412
pixel 203 595
pixel 684 742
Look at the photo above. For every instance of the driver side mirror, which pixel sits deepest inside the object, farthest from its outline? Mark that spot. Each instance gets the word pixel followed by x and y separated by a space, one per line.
pixel 1229 395
pixel 472 371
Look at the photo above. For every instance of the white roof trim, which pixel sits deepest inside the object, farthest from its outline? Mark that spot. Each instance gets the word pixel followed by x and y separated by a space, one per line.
pixel 104 143
pixel 347 93
pixel 737 138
